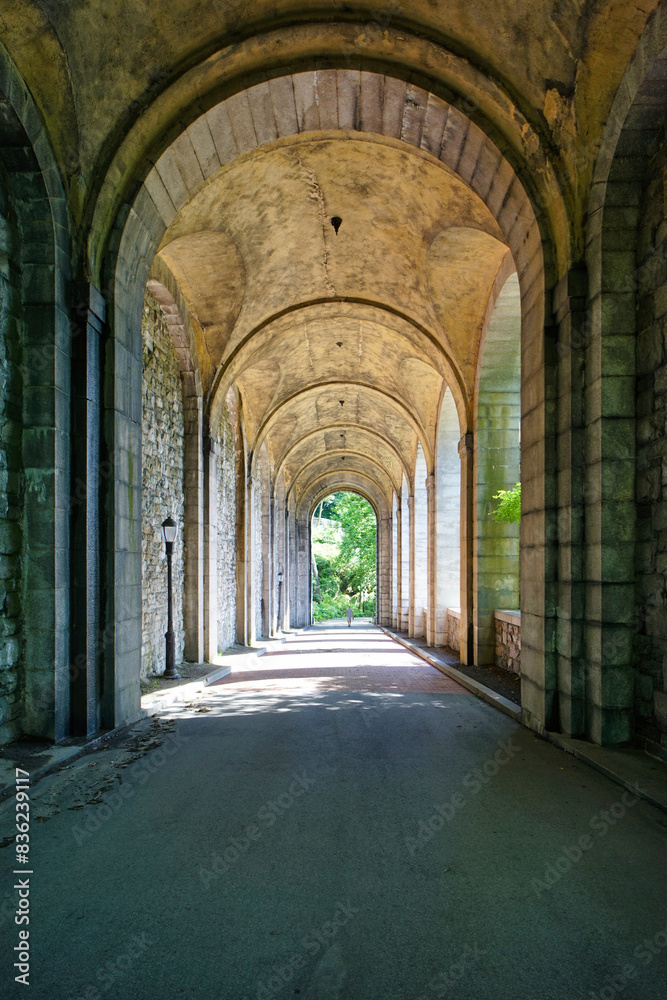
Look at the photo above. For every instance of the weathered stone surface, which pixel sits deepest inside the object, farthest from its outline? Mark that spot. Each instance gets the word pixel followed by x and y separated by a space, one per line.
pixel 508 644
pixel 650 640
pixel 226 533
pixel 162 492
pixel 11 477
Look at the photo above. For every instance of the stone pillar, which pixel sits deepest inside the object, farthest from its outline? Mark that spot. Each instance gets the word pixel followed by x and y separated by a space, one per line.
pixel 250 557
pixel 193 530
pixel 569 309
pixel 404 605
pixel 467 608
pixel 293 567
pixel 398 583
pixel 394 561
pixel 123 377
pixel 431 559
pixel 303 566
pixel 384 572
pixel 211 452
pixel 88 327
pixel 411 564
pixel 274 564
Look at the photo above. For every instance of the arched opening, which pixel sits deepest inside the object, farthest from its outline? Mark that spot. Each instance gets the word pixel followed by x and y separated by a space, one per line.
pixel 344 535
pixel 51 682
pixel 330 367
pixel 496 573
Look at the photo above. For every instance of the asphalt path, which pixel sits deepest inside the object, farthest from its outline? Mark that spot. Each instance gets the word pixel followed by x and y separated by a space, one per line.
pixel 334 834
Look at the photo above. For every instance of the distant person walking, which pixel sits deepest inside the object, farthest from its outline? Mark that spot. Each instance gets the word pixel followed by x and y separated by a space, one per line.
pixel 349 614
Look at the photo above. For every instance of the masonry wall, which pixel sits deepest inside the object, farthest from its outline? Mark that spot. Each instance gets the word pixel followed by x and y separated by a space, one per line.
pixel 650 646
pixel 162 487
pixel 11 478
pixel 226 536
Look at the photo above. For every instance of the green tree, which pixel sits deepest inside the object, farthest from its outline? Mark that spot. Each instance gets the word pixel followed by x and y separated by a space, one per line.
pixel 344 561
pixel 357 559
pixel 508 510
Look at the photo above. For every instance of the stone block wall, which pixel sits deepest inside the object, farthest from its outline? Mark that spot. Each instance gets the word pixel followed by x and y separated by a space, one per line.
pixel 650 646
pixel 11 477
pixel 508 640
pixel 162 489
pixel 452 630
pixel 226 535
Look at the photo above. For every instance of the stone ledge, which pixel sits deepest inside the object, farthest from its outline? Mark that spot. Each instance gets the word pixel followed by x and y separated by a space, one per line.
pixel 511 617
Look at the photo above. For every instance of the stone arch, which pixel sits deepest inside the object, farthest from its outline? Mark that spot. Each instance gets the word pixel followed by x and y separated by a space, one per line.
pixel 357 106
pixel 53 685
pixel 617 684
pixel 354 483
pixel 460 146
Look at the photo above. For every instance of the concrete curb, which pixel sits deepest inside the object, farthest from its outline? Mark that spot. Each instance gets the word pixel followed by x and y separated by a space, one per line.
pixel 638 773
pixel 491 697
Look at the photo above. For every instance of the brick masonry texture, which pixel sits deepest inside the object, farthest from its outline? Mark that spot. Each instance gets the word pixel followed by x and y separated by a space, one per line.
pixel 11 478
pixel 651 483
pixel 162 494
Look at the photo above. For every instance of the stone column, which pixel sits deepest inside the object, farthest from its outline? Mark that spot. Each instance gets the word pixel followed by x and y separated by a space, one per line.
pixel 293 567
pixel 275 563
pixel 211 452
pixel 569 308
pixel 193 530
pixel 303 570
pixel 466 455
pixel 384 572
pixel 411 557
pixel 88 327
pixel 250 556
pixel 431 559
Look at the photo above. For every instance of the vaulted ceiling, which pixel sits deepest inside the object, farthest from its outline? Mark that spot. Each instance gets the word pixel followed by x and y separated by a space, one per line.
pixel 336 254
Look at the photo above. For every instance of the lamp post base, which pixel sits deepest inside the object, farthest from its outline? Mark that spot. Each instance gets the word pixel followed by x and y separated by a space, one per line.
pixel 171 673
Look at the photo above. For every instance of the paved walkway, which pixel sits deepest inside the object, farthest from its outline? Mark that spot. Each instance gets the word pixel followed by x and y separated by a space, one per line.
pixel 338 826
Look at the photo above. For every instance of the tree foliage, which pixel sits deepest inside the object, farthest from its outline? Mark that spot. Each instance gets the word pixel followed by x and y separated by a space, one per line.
pixel 344 549
pixel 508 510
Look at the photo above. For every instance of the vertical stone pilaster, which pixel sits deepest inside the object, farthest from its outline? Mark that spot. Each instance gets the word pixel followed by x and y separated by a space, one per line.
pixel 249 562
pixel 211 550
pixel 274 563
pixel 194 529
pixel 466 454
pixel 88 327
pixel 412 566
pixel 431 559
pixel 569 312
pixel 384 572
pixel 303 567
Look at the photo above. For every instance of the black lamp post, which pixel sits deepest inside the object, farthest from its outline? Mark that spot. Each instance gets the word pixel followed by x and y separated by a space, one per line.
pixel 280 588
pixel 170 530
